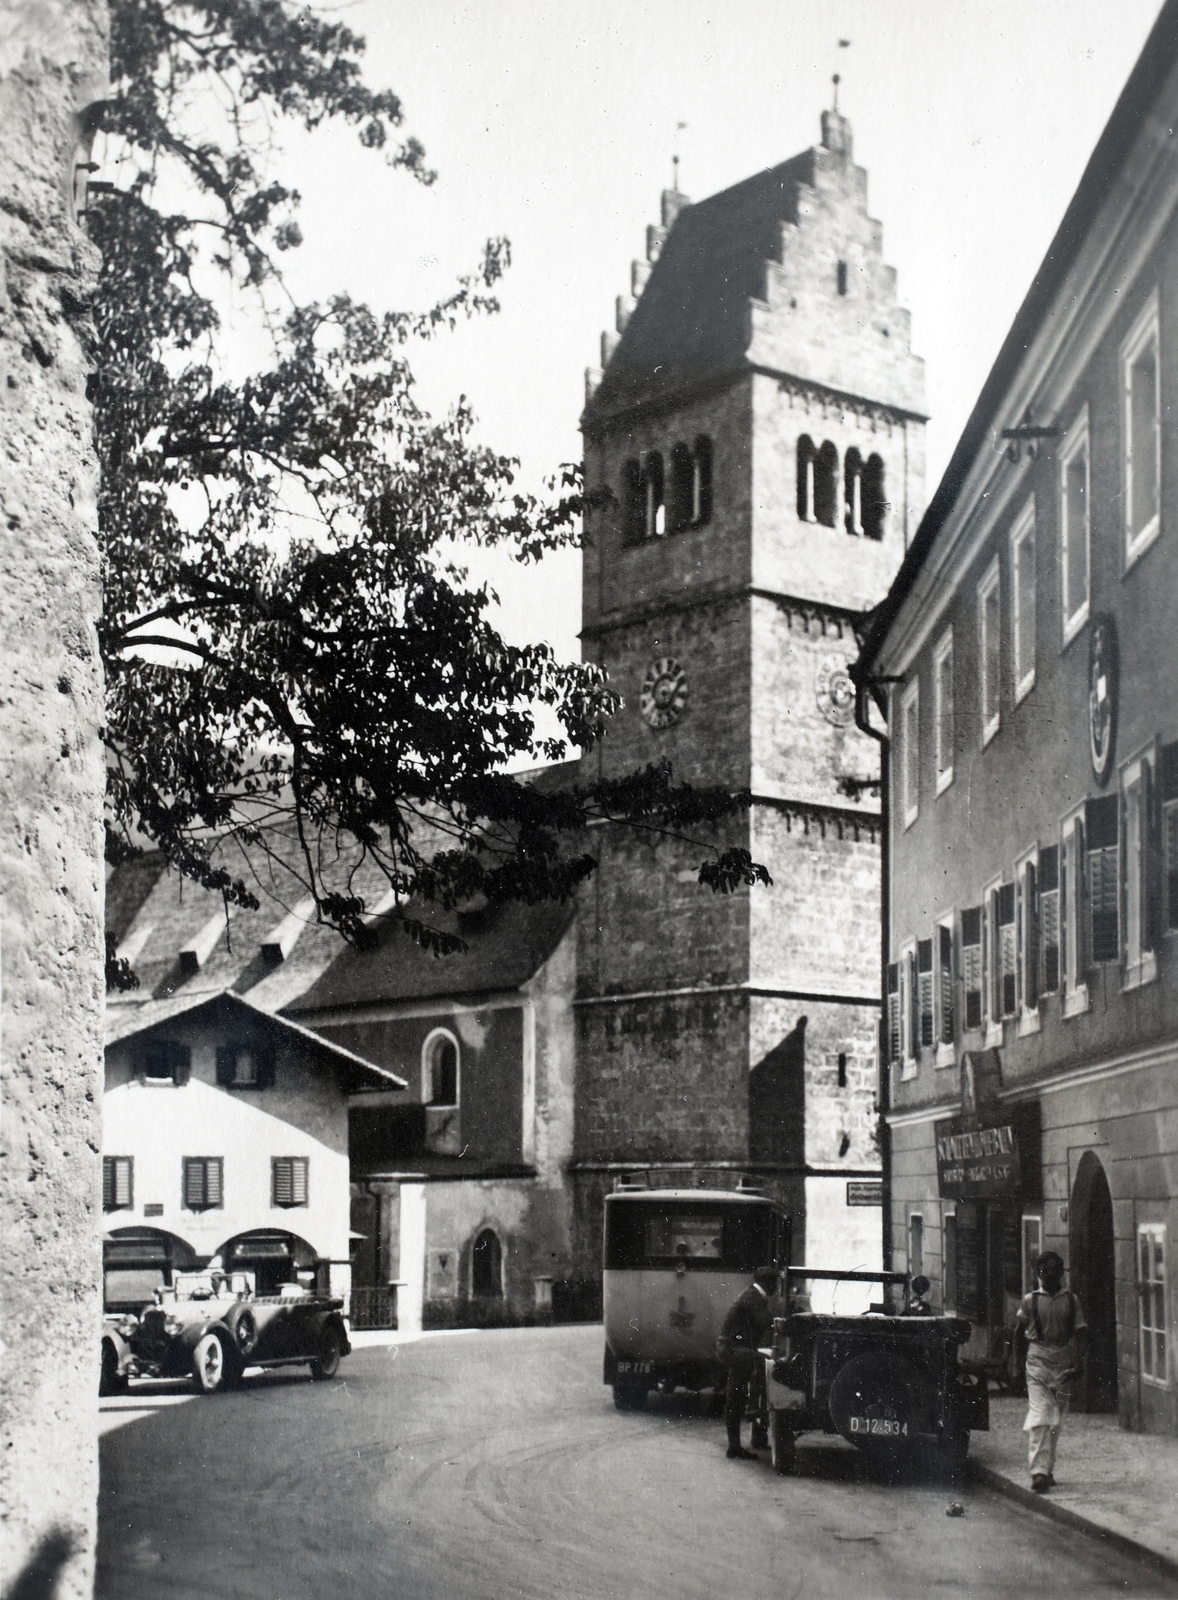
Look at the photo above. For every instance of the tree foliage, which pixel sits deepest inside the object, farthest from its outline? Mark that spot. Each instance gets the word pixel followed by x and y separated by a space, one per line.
pixel 292 645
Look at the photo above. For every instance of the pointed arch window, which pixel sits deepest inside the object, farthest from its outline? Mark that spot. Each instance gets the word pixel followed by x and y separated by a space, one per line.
pixel 486 1266
pixel 681 504
pixel 633 505
pixel 806 455
pixel 701 483
pixel 826 471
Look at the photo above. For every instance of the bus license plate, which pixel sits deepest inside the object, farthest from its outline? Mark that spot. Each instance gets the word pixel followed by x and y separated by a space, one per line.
pixel 882 1427
pixel 636 1366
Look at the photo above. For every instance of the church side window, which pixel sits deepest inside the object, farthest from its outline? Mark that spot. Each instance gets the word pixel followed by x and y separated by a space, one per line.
pixel 439 1069
pixel 874 498
pixel 654 506
pixel 853 491
pixel 633 506
pixel 826 471
pixel 486 1266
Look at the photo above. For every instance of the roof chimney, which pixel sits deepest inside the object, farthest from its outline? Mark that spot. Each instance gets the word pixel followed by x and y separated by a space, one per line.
pixel 836 133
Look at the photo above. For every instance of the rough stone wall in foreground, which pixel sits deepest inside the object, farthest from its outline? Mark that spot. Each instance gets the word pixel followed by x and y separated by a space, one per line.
pixel 52 69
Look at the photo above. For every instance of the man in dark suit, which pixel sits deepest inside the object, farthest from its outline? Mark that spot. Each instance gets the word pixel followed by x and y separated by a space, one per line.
pixel 748 1324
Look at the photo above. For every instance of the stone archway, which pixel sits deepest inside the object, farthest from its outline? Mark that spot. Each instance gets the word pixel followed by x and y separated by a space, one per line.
pixel 1094 1278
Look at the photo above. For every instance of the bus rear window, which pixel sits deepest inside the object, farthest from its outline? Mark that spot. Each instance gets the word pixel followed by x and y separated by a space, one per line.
pixel 652 1234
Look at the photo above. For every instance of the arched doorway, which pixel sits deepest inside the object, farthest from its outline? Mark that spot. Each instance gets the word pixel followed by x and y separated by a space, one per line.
pixel 486 1266
pixel 1094 1278
pixel 274 1257
pixel 138 1261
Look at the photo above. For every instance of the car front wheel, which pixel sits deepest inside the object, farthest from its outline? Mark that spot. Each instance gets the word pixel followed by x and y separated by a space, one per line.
pixel 210 1367
pixel 326 1363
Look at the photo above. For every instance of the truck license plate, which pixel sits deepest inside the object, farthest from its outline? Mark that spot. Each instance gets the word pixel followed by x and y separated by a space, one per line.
pixel 882 1427
pixel 636 1366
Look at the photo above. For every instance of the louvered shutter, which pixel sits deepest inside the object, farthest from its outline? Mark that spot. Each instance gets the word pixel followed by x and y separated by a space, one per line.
pixel 108 1183
pixel 1102 824
pixel 282 1181
pixel 893 1013
pixel 924 967
pixel 913 1007
pixel 298 1181
pixel 945 938
pixel 971 965
pixel 1050 919
pixel 1007 963
pixel 1030 961
pixel 1151 865
pixel 213 1181
pixel 194 1184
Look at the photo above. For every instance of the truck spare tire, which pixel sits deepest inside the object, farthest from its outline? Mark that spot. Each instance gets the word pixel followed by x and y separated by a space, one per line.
pixel 879 1400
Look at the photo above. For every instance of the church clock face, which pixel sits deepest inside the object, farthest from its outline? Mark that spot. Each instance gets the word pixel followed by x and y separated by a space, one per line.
pixel 664 692
pixel 835 691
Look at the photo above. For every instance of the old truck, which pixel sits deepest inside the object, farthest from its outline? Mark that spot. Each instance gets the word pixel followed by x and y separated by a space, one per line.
pixel 890 1383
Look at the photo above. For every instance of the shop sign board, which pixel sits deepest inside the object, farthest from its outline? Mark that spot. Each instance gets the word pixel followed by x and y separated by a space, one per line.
pixel 978 1159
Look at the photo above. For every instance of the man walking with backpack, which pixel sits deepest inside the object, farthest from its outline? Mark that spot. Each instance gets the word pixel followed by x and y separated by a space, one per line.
pixel 1051 1323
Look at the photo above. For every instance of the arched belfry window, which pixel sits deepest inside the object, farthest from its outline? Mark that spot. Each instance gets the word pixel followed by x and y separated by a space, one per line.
pixel 826 471
pixel 701 486
pixel 653 496
pixel 486 1266
pixel 439 1069
pixel 681 507
pixel 875 500
pixel 853 490
pixel 633 505
pixel 806 454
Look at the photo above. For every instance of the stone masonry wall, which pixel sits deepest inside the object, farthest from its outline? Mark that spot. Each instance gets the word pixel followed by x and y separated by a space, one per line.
pixel 52 69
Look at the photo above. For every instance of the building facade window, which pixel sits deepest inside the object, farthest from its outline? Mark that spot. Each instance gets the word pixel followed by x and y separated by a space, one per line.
pixel 946 1019
pixel 1005 999
pixel 909 1011
pixel 654 509
pixel 1072 919
pixel 204 1188
pixel 806 460
pixel 1151 1302
pixel 915 1244
pixel 440 1061
pixel 165 1061
pixel 1022 560
pixel 118 1183
pixel 1074 526
pixel 990 650
pixel 895 1044
pixel 875 499
pixel 991 966
pixel 826 472
pixel 1032 1248
pixel 633 503
pixel 943 710
pixel 288 1181
pixel 853 491
pixel 486 1266
pixel 910 751
pixel 689 500
pixel 1141 382
pixel 926 990
pixel 245 1066
pixel 1102 833
pixel 1142 888
pixel 1026 918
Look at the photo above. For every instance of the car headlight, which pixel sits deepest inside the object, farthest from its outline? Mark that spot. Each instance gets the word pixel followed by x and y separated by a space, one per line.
pixel 128 1328
pixel 172 1327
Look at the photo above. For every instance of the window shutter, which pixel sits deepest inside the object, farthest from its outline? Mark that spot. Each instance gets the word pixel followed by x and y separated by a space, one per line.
pixel 213 1181
pixel 282 1181
pixel 893 1013
pixel 1050 919
pixel 1030 965
pixel 194 1186
pixel 122 1181
pixel 108 1183
pixel 1102 821
pixel 226 1060
pixel 924 965
pixel 945 936
pixel 298 1181
pixel 971 965
pixel 1151 867
pixel 179 1060
pixel 913 1006
pixel 1007 963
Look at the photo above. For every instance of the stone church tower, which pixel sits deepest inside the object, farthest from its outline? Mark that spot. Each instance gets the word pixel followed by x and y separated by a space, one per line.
pixel 758 421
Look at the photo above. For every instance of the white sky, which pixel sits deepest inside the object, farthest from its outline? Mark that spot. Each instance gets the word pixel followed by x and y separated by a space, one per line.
pixel 553 122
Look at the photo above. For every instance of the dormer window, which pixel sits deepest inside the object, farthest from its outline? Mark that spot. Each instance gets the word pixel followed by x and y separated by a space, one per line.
pixel 165 1061
pixel 243 1065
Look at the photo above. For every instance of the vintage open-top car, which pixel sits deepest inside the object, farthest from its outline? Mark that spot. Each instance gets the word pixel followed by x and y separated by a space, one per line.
pixel 893 1385
pixel 211 1325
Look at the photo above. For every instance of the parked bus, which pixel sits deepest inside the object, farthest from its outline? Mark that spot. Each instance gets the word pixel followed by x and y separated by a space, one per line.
pixel 674 1261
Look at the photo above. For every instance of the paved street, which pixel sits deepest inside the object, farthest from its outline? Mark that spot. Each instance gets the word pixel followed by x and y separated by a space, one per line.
pixel 476 1466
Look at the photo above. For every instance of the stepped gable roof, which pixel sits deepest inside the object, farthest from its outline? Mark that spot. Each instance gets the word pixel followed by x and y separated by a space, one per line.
pixel 692 321
pixel 355 1072
pixel 506 946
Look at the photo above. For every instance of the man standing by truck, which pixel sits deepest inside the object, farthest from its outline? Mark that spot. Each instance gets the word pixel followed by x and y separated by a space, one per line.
pixel 748 1324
